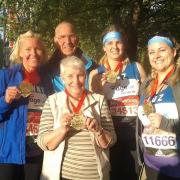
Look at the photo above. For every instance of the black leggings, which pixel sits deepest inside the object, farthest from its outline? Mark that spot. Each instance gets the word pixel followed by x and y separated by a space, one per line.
pixel 30 171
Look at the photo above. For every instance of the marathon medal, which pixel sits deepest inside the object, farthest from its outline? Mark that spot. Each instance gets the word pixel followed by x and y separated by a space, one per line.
pixel 26 89
pixel 111 76
pixel 148 108
pixel 78 122
pixel 78 119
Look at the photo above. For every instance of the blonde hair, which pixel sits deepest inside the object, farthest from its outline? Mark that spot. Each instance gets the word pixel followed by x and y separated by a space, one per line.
pixel 15 57
pixel 73 62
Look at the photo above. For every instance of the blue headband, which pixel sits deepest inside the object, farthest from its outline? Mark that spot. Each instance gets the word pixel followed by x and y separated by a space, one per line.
pixel 112 35
pixel 156 39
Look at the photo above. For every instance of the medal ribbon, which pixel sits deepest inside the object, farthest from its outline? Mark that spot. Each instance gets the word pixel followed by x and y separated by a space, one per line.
pixel 155 85
pixel 118 67
pixel 77 108
pixel 32 77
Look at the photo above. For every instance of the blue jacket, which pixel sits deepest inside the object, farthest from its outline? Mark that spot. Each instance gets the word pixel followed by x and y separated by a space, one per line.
pixel 13 118
pixel 53 68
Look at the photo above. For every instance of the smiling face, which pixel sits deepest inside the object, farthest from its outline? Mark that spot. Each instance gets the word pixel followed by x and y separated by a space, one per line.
pixel 74 80
pixel 161 56
pixel 31 53
pixel 66 39
pixel 114 49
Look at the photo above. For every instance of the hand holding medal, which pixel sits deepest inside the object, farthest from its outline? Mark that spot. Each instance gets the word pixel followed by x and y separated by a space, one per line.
pixel 77 121
pixel 25 89
pixel 11 94
pixel 111 75
pixel 148 108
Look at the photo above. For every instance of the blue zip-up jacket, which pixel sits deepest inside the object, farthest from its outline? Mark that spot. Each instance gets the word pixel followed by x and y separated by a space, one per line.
pixel 53 68
pixel 13 117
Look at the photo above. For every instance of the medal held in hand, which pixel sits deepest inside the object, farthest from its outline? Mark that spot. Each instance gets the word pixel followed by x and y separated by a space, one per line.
pixel 25 88
pixel 78 122
pixel 111 76
pixel 78 119
pixel 148 108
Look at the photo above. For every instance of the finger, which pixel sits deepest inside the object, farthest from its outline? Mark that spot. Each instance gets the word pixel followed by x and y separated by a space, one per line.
pixel 88 121
pixel 93 124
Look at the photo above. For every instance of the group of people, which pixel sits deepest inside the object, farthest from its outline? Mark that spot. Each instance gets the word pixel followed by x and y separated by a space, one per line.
pixel 69 118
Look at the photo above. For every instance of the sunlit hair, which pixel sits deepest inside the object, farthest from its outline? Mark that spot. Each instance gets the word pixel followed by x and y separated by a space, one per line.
pixel 71 62
pixel 15 55
pixel 176 75
pixel 115 28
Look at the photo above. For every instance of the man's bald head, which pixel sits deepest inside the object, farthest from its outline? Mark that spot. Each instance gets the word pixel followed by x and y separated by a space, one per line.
pixel 66 38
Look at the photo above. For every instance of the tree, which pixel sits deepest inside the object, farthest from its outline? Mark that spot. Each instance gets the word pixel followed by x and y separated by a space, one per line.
pixel 140 18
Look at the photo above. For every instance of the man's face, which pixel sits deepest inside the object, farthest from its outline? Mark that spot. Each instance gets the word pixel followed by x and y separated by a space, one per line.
pixel 66 39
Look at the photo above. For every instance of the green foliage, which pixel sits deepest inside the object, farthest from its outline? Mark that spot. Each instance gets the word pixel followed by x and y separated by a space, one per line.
pixel 140 18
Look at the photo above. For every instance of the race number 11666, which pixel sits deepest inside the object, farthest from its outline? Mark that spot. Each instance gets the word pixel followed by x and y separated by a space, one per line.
pixel 160 141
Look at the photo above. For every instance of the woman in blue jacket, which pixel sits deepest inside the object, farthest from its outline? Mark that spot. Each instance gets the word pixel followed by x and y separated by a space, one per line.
pixel 24 88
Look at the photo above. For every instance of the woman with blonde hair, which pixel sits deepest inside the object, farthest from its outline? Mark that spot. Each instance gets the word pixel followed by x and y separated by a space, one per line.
pixel 24 88
pixel 159 111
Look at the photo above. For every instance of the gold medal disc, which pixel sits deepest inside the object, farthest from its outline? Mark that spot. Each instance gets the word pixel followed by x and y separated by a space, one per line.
pixel 78 122
pixel 148 108
pixel 111 76
pixel 25 88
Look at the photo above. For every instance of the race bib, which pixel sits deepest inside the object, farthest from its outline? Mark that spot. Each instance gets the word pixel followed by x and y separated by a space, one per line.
pixel 126 106
pixel 36 101
pixel 122 88
pixel 33 123
pixel 160 141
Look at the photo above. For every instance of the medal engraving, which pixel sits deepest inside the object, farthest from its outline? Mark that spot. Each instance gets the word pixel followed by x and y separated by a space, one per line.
pixel 25 88
pixel 148 108
pixel 111 76
pixel 78 122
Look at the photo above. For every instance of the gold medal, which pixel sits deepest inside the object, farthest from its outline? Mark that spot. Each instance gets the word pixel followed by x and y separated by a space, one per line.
pixel 78 122
pixel 148 108
pixel 25 88
pixel 111 76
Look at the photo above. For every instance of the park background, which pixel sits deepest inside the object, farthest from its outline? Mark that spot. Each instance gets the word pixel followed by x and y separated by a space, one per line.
pixel 141 19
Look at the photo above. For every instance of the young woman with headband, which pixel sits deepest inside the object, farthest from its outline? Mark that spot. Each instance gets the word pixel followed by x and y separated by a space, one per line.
pixel 159 112
pixel 119 78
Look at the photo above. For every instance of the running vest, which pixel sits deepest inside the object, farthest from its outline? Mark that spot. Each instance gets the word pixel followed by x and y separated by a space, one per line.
pixel 123 96
pixel 162 147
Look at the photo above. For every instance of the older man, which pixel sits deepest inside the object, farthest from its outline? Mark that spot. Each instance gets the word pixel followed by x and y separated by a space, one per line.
pixel 66 42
